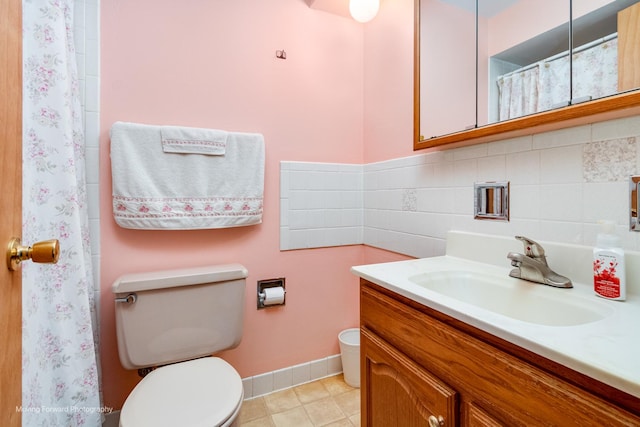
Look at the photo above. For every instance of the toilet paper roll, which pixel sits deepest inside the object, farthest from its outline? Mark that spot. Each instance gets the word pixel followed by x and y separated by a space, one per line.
pixel 273 296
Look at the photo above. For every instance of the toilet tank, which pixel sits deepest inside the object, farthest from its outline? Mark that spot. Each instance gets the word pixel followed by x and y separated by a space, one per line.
pixel 175 315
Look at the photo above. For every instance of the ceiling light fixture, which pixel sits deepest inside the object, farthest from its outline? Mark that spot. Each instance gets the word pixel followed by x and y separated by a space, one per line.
pixel 364 10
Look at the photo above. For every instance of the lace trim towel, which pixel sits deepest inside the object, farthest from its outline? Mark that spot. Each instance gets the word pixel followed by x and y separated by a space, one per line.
pixel 158 190
pixel 176 139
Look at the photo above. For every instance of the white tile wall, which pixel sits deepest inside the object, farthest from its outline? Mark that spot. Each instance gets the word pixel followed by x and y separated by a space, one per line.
pixel 262 384
pixel 86 37
pixel 562 183
pixel 320 205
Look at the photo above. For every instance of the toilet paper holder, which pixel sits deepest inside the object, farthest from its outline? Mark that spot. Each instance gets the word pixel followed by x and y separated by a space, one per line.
pixel 270 283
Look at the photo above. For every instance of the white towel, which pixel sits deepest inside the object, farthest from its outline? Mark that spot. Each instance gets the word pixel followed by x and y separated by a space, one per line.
pixel 177 139
pixel 154 190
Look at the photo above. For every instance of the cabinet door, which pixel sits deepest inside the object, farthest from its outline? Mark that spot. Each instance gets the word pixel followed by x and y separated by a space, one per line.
pixel 476 417
pixel 396 392
pixel 629 48
pixel 605 48
pixel 447 67
pixel 525 50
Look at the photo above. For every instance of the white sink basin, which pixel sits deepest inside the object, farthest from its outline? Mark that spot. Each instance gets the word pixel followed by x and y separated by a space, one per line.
pixel 514 298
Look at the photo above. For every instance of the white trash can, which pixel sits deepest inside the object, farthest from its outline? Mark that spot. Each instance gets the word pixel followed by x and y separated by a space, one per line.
pixel 350 355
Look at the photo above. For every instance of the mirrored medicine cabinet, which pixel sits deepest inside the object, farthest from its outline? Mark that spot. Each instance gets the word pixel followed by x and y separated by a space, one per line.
pixel 488 69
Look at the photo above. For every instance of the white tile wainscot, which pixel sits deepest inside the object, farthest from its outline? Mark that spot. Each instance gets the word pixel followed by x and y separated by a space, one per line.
pixel 321 205
pixel 562 183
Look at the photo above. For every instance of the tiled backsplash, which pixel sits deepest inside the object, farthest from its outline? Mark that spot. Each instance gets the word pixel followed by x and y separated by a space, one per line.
pixel 562 183
pixel 320 205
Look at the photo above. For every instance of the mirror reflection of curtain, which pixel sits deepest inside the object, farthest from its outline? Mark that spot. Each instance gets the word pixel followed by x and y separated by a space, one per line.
pixel 545 85
pixel 595 70
pixel 554 84
pixel 518 93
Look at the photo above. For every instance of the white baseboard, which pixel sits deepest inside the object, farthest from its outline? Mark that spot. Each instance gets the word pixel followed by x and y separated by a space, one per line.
pixel 269 382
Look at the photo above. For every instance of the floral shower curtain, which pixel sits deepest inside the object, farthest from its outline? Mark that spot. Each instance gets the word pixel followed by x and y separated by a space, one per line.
pixel 59 368
pixel 546 84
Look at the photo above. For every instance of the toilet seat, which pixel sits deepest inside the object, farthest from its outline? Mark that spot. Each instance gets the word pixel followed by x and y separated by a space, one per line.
pixel 205 392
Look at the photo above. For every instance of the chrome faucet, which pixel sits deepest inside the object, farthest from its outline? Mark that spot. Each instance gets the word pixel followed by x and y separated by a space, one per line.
pixel 532 266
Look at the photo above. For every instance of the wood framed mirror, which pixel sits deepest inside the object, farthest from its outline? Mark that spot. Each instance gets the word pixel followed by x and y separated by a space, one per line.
pixel 466 129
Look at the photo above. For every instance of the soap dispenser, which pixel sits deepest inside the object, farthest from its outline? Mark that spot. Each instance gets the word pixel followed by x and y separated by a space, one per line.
pixel 608 264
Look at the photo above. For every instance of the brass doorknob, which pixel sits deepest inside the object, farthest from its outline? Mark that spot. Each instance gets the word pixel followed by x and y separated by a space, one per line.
pixel 46 252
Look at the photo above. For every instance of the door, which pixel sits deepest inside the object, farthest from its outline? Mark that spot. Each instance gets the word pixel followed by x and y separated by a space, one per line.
pixel 11 205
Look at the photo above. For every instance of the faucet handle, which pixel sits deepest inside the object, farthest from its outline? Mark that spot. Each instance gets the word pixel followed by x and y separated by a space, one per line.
pixel 531 248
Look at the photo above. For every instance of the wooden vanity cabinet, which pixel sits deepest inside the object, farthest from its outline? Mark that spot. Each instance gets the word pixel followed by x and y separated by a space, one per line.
pixel 420 367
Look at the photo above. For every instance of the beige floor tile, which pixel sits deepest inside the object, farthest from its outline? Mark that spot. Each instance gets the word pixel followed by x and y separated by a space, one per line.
pixel 281 401
pixel 336 385
pixel 253 409
pixel 340 423
pixel 259 422
pixel 355 419
pixel 349 402
pixel 296 417
pixel 324 411
pixel 328 402
pixel 310 392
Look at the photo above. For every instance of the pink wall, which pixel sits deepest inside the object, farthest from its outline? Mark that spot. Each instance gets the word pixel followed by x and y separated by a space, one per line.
pixel 212 64
pixel 388 94
pixel 388 82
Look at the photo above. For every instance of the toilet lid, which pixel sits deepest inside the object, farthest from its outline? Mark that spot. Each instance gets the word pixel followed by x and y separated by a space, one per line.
pixel 203 392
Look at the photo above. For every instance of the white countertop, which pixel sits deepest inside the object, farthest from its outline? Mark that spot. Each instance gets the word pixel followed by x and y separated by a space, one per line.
pixel 607 349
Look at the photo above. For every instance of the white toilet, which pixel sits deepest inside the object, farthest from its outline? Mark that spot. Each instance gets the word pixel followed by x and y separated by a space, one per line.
pixel 179 318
